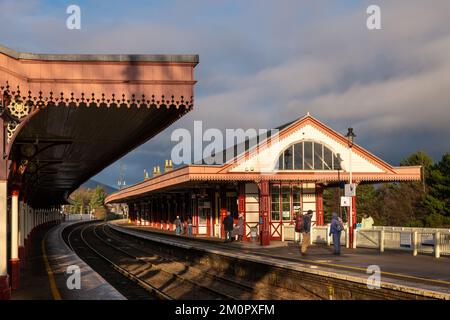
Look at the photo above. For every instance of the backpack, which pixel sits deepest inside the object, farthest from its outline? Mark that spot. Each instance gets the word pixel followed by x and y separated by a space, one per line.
pixel 339 225
pixel 299 223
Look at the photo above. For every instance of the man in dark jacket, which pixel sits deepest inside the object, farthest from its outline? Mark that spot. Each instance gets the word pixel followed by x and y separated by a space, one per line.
pixel 228 226
pixel 336 228
pixel 306 232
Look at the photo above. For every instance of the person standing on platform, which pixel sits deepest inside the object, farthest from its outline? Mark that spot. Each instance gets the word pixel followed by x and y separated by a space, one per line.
pixel 185 226
pixel 177 226
pixel 189 226
pixel 306 232
pixel 335 230
pixel 240 227
pixel 298 223
pixel 367 222
pixel 228 227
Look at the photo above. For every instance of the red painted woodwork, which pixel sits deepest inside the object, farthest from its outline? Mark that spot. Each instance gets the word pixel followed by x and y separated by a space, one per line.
pixel 15 273
pixel 223 210
pixel 264 212
pixel 353 226
pixel 319 206
pixel 5 289
pixel 241 206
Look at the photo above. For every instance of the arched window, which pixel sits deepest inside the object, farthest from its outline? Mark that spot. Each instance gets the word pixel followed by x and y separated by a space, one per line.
pixel 308 155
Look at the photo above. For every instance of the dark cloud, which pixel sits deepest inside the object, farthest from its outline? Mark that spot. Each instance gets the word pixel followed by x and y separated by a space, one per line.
pixel 263 63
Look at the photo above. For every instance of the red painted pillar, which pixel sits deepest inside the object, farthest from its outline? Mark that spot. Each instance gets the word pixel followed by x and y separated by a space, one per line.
pixel 241 206
pixel 5 288
pixel 353 226
pixel 152 217
pixel 264 212
pixel 223 210
pixel 319 206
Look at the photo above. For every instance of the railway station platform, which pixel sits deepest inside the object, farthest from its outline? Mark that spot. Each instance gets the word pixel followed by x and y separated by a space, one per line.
pixel 46 276
pixel 422 275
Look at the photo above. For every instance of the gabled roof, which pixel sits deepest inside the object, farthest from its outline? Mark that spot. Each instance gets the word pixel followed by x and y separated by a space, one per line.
pixel 300 122
pixel 223 173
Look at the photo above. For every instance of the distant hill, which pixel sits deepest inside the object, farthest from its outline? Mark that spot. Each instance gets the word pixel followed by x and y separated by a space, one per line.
pixel 92 184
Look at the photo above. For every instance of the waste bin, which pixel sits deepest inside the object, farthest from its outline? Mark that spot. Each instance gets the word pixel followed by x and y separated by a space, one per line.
pixel 253 234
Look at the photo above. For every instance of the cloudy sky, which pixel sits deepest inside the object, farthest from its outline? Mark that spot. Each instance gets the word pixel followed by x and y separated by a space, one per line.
pixel 267 62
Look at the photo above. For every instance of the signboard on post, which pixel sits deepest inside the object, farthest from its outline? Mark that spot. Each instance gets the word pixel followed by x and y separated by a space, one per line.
pixel 350 190
pixel 345 201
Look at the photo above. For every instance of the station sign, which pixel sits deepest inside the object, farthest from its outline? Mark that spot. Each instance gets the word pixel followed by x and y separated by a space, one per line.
pixel 345 201
pixel 350 190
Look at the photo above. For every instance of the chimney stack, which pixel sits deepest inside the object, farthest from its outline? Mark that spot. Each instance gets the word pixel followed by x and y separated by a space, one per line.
pixel 156 171
pixel 168 166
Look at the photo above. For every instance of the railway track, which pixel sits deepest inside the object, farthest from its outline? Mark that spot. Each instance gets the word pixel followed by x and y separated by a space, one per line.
pixel 304 285
pixel 162 271
pixel 118 277
pixel 230 288
pixel 141 272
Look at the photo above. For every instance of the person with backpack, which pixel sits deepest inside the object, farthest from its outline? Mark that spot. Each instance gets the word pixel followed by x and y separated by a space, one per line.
pixel 298 221
pixel 335 230
pixel 228 227
pixel 306 232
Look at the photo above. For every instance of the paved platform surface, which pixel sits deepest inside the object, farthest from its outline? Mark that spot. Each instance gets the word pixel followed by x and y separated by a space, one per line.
pixel 34 284
pixel 402 269
pixel 48 282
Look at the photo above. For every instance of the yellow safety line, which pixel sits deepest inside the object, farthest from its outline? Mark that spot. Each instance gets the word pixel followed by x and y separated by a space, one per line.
pixel 382 272
pixel 53 288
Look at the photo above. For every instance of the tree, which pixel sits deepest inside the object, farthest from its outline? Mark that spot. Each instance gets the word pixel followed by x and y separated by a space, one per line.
pixel 86 200
pixel 420 158
pixel 80 200
pixel 437 199
pixel 331 202
pixel 97 198
pixel 366 199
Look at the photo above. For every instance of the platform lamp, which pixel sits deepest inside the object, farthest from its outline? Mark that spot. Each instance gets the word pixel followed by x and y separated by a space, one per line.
pixel 350 138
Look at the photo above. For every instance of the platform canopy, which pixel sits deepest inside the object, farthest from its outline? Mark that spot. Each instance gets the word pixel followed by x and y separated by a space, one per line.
pixel 67 117
pixel 304 150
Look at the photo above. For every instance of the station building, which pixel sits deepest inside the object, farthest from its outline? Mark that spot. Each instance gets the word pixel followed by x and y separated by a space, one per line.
pixel 267 183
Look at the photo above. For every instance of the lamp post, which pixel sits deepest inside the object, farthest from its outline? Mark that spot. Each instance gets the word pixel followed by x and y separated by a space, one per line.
pixel 350 137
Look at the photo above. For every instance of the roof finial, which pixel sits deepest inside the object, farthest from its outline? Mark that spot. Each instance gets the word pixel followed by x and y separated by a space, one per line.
pixel 307 114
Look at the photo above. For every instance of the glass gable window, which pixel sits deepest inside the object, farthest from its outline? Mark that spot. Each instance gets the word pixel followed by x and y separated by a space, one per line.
pixel 308 155
pixel 318 156
pixel 298 156
pixel 288 159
